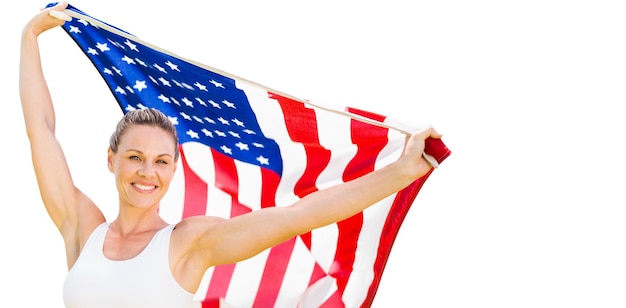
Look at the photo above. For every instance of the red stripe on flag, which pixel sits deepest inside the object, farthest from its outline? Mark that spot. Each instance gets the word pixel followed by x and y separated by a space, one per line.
pixel 196 190
pixel 363 135
pixel 226 179
pixel 302 127
pixel 270 181
pixel 220 281
pixel 273 274
pixel 347 238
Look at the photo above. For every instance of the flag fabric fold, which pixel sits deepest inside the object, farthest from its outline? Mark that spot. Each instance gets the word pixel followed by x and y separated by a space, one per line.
pixel 245 147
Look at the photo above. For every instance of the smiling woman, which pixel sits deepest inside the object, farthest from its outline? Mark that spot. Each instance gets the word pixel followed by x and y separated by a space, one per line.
pixel 138 259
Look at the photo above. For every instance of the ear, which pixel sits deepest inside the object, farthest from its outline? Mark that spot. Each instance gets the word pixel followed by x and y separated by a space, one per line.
pixel 110 155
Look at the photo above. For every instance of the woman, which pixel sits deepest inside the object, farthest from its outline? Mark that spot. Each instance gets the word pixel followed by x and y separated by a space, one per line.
pixel 138 259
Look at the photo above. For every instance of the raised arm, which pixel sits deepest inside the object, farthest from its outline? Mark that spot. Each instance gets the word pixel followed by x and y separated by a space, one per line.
pixel 244 236
pixel 63 201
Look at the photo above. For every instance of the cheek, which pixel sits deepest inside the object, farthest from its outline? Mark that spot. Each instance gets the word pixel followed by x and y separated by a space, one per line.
pixel 122 169
pixel 167 173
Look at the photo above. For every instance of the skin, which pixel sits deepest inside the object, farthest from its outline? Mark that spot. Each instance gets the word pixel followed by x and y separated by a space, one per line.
pixel 143 167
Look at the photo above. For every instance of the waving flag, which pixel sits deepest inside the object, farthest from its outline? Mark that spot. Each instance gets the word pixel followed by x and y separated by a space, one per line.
pixel 245 147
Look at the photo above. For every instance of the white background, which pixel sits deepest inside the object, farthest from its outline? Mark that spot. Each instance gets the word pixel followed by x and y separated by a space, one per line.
pixel 528 211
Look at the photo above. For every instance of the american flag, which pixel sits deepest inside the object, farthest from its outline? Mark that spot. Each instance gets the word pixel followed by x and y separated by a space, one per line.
pixel 245 147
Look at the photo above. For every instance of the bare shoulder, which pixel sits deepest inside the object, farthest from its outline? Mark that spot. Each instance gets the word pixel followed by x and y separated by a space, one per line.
pixel 189 230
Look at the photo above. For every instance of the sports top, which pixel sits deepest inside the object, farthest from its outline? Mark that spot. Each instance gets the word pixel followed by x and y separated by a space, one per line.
pixel 142 281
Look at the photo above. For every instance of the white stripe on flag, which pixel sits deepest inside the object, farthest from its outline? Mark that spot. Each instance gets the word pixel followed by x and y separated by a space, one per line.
pixel 329 137
pixel 373 222
pixel 250 184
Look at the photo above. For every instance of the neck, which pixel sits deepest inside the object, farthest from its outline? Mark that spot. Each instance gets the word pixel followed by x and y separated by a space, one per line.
pixel 132 220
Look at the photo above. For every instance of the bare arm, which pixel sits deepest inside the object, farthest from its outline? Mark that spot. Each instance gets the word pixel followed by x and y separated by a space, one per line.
pixel 63 201
pixel 239 238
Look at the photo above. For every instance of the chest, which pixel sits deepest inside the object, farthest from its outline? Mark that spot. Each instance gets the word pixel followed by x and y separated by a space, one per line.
pixel 117 247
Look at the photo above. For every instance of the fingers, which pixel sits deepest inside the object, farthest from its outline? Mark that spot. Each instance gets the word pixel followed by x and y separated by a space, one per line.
pixel 60 5
pixel 60 15
pixel 57 11
pixel 423 134
pixel 426 133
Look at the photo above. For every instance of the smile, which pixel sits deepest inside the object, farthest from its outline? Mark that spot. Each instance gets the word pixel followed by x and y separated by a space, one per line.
pixel 144 187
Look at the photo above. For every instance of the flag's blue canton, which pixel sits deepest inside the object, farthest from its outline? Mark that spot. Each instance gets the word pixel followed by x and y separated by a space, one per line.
pixel 205 107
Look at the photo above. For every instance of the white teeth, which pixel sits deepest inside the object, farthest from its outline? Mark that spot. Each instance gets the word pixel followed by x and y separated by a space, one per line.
pixel 144 187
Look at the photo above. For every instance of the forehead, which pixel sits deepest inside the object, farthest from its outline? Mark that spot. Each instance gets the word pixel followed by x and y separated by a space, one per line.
pixel 147 138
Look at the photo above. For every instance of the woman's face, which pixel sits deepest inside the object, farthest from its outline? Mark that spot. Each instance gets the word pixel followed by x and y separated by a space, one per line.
pixel 143 165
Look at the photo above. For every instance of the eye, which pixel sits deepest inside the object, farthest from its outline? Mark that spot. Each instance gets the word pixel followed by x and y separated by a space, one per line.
pixel 134 157
pixel 161 161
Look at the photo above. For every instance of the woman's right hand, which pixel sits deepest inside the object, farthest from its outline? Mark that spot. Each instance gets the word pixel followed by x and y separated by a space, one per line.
pixel 43 21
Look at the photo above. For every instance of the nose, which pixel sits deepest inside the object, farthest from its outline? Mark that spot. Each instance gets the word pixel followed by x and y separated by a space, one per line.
pixel 146 170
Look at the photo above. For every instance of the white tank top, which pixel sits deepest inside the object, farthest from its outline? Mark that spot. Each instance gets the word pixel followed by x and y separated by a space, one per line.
pixel 143 281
